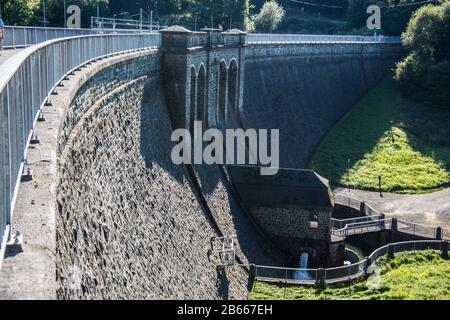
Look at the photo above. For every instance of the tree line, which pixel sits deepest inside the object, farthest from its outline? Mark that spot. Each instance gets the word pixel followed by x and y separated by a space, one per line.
pixel 251 15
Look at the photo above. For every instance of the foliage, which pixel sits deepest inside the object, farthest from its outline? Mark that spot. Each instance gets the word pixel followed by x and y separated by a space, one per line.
pixel 425 72
pixel 409 276
pixel 269 17
pixel 386 134
pixel 20 12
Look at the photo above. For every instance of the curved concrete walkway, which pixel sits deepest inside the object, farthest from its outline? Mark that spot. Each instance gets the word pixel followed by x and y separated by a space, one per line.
pixel 432 208
pixel 6 54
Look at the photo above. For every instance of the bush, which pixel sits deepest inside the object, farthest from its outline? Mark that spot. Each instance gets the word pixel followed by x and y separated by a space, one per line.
pixel 436 85
pixel 269 17
pixel 409 72
pixel 425 73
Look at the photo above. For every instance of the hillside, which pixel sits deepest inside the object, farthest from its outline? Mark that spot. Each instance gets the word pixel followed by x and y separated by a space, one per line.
pixel 387 134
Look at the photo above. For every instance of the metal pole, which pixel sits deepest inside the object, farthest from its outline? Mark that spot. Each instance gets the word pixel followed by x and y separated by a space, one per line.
pixel 43 11
pixel 65 15
pixel 151 21
pixel 98 14
pixel 140 19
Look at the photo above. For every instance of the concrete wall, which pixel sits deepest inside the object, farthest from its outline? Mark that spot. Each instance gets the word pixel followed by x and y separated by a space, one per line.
pixel 128 223
pixel 303 89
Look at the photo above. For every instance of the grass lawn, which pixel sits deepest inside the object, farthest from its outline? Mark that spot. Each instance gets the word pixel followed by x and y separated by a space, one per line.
pixel 410 276
pixel 386 134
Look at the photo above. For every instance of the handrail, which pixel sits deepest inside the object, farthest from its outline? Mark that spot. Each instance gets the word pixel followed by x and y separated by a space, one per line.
pixel 26 81
pixel 346 272
pixel 23 36
pixel 259 38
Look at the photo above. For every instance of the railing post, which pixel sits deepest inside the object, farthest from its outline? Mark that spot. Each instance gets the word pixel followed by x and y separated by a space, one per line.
pixel 320 278
pixel 438 233
pixel 362 207
pixel 390 251
pixel 444 249
pixel 394 224
pixel 366 265
pixel 252 272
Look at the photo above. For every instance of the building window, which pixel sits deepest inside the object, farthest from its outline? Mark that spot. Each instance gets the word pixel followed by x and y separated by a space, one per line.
pixel 314 221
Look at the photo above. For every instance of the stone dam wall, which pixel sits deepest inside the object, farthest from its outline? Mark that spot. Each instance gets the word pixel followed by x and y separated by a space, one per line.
pixel 304 89
pixel 129 224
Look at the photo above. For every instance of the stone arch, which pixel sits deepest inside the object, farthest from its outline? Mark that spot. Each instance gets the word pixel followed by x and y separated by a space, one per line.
pixel 232 87
pixel 192 102
pixel 202 107
pixel 222 95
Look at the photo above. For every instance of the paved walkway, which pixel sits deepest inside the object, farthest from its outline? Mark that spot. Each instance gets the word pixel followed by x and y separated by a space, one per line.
pixel 6 54
pixel 432 208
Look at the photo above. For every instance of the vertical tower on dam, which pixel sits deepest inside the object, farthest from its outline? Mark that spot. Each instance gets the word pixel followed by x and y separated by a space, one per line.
pixel 203 75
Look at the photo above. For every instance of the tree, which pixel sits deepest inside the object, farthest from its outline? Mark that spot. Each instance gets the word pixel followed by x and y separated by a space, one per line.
pixel 428 38
pixel 20 12
pixel 269 17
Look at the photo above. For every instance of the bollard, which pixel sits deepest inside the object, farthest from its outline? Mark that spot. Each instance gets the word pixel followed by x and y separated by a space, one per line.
pixel 444 249
pixel 390 251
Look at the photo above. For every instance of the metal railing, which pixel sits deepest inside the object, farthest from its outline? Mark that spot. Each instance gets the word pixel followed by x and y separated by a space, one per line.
pixel 346 272
pixel 26 81
pixel 18 36
pixel 360 227
pixel 417 229
pixel 341 223
pixel 291 275
pixel 405 246
pixel 258 38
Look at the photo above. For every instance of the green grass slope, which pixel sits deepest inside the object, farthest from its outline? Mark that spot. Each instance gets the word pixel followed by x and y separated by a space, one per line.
pixel 409 276
pixel 385 134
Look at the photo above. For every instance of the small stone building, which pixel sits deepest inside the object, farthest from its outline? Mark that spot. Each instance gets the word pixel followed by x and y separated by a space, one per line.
pixel 294 208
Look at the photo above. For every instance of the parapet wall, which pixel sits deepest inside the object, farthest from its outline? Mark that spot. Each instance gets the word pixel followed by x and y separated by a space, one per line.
pixel 303 89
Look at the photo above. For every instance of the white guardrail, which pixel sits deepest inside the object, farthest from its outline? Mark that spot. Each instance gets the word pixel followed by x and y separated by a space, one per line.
pixel 18 36
pixel 26 81
pixel 259 38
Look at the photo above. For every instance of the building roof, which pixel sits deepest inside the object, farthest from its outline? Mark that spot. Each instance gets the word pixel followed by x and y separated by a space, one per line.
pixel 176 28
pixel 289 188
pixel 234 31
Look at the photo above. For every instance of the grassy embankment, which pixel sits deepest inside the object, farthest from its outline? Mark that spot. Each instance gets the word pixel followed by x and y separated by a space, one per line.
pixel 409 276
pixel 386 134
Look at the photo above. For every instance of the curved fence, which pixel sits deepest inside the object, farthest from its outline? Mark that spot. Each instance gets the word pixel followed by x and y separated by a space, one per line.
pixel 348 272
pixel 18 36
pixel 256 38
pixel 25 84
pixel 373 220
